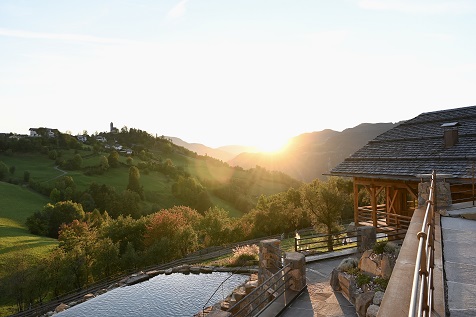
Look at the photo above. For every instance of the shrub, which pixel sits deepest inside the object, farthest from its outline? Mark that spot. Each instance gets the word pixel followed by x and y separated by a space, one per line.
pixel 245 255
pixel 362 279
pixel 381 283
pixel 379 247
pixel 26 176
pixel 347 264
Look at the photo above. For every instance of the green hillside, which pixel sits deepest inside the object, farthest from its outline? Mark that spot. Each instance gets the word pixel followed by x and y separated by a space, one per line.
pixel 16 204
pixel 233 189
pixel 214 175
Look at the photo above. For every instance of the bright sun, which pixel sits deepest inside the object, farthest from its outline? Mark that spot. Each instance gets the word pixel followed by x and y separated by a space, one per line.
pixel 272 146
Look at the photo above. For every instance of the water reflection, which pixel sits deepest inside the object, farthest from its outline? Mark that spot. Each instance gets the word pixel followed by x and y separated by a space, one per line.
pixel 164 295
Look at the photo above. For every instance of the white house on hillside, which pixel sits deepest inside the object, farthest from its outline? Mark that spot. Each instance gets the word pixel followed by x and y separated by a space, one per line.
pixel 82 138
pixel 37 132
pixel 100 138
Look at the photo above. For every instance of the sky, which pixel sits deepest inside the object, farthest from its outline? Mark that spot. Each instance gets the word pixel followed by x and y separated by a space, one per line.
pixel 221 72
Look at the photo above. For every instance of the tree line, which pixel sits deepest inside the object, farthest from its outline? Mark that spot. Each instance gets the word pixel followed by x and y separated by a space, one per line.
pixel 94 245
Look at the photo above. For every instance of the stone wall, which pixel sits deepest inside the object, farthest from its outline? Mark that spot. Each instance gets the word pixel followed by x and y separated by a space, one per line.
pixel 443 194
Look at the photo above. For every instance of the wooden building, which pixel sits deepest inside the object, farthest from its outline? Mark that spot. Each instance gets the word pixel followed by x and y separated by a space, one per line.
pixel 391 166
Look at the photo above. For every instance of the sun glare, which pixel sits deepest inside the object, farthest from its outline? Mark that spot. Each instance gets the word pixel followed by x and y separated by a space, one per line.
pixel 272 146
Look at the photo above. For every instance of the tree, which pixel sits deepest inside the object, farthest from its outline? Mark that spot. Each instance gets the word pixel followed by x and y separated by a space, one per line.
pixel 130 204
pixel 113 159
pixel 124 230
pixel 192 193
pixel 130 257
pixel 15 283
pixel 216 226
pixel 52 155
pixel 48 221
pixel 26 176
pixel 87 201
pixel 79 240
pixel 76 162
pixel 134 181
pixel 3 170
pixel 324 203
pixel 107 258
pixel 103 163
pixel 55 195
pixel 174 231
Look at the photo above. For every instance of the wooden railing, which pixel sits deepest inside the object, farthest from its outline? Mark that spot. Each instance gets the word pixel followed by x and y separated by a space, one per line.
pixel 312 242
pixel 421 303
pixel 394 225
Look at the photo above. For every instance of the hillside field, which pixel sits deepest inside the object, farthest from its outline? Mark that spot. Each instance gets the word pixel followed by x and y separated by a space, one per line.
pixel 16 204
pixel 159 186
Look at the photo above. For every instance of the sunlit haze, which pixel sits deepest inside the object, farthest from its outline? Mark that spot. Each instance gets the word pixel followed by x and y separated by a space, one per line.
pixel 219 72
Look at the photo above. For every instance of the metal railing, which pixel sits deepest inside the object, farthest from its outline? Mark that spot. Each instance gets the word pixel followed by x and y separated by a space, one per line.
pixel 421 303
pixel 258 300
pixel 220 286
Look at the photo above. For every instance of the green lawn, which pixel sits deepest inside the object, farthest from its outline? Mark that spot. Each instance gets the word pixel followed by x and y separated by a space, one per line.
pixel 16 204
pixel 40 167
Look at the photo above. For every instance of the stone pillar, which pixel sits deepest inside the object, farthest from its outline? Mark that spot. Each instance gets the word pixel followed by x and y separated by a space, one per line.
pixel 296 270
pixel 366 238
pixel 269 259
pixel 443 194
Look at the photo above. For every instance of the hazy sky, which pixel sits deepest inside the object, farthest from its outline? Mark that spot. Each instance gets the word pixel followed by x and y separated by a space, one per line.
pixel 222 72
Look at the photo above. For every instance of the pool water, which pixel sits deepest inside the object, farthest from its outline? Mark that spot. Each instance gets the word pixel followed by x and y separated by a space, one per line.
pixel 164 295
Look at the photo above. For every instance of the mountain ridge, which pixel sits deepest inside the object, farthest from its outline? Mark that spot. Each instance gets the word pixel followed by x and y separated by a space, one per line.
pixel 308 156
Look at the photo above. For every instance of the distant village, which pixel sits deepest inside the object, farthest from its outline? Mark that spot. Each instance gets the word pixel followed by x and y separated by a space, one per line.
pixel 83 138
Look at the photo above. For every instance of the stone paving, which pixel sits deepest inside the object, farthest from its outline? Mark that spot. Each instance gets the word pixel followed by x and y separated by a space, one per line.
pixel 319 299
pixel 459 253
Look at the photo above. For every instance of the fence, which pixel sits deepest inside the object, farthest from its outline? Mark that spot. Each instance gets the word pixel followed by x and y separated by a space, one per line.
pixel 77 294
pixel 311 242
pixel 282 277
pixel 263 295
pixel 389 223
pixel 421 303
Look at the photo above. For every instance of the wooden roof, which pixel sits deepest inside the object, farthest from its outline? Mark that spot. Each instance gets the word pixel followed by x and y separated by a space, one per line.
pixel 417 147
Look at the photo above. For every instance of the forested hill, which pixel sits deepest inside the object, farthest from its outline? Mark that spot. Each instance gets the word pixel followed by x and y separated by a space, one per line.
pixel 308 156
pixel 160 173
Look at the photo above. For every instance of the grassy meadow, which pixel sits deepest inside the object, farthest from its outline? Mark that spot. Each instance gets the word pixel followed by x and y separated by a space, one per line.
pixel 16 204
pixel 43 170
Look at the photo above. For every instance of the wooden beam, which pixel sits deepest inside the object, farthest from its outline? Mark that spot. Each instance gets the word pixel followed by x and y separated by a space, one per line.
pixel 373 202
pixel 411 191
pixel 391 201
pixel 384 182
pixel 356 204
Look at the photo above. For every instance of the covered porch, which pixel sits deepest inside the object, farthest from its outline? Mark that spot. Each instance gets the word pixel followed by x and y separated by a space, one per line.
pixel 392 203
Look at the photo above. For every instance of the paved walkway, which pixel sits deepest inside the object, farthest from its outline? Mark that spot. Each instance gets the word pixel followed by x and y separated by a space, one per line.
pixel 319 299
pixel 459 253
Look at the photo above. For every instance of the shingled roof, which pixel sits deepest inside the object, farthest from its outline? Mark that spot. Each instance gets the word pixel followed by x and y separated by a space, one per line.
pixel 417 147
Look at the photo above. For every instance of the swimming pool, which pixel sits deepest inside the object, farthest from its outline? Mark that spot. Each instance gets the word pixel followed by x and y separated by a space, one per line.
pixel 164 295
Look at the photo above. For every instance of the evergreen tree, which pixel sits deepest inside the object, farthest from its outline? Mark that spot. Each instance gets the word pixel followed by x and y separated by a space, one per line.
pixel 134 181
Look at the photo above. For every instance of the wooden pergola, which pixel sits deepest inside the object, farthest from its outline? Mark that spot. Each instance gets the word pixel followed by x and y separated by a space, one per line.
pixel 399 201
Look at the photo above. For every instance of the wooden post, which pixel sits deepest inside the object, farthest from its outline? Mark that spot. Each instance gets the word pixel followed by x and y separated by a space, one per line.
pixel 356 204
pixel 373 202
